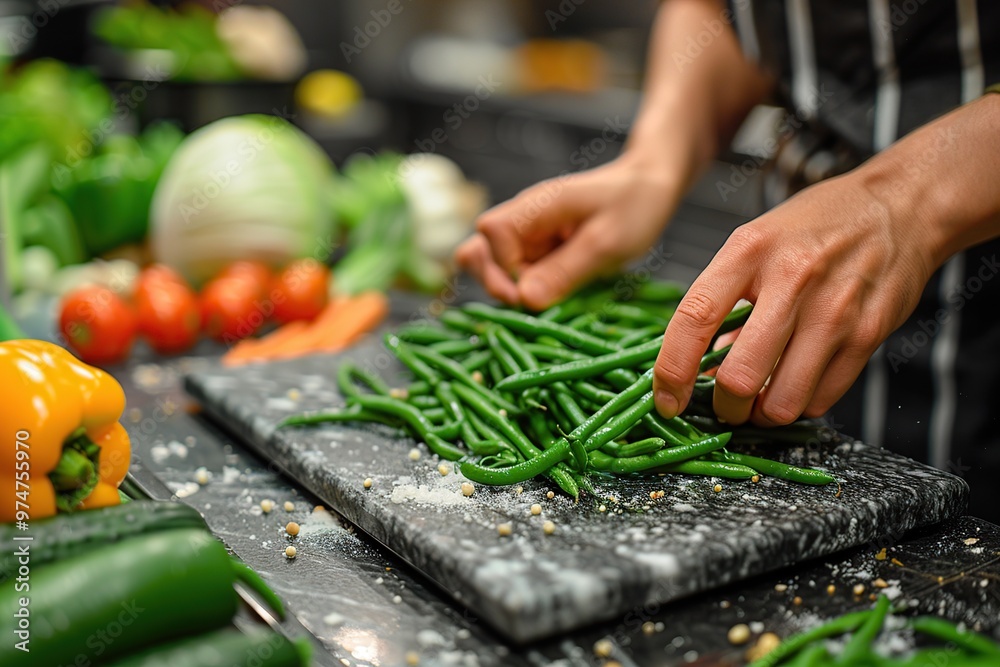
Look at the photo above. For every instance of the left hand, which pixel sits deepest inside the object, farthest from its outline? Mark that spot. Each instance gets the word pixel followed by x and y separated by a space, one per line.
pixel 832 272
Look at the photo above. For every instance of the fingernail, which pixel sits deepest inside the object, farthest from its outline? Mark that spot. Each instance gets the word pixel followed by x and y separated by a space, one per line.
pixel 666 403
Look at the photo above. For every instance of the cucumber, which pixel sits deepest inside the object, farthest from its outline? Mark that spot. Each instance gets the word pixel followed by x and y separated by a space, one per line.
pixel 69 535
pixel 228 648
pixel 118 599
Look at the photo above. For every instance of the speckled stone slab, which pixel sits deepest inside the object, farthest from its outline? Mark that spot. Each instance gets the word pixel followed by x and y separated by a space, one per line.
pixel 608 554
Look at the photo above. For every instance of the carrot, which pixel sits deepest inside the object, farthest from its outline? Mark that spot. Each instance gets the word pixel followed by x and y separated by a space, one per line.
pixel 365 312
pixel 339 324
pixel 250 349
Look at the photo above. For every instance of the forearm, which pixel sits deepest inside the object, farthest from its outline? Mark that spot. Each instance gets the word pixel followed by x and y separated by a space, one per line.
pixel 941 180
pixel 699 87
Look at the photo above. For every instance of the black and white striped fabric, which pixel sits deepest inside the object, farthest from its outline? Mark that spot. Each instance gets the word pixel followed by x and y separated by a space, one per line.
pixel 855 75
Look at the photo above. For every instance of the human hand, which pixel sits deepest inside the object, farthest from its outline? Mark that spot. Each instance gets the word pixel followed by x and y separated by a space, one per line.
pixel 553 237
pixel 831 273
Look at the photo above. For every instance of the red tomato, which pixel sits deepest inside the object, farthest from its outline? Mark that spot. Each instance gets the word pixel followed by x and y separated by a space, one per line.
pixel 97 324
pixel 168 315
pixel 233 308
pixel 156 274
pixel 300 291
pixel 257 273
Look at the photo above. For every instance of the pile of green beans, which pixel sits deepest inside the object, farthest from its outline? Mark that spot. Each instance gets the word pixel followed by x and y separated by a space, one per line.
pixel 809 648
pixel 562 394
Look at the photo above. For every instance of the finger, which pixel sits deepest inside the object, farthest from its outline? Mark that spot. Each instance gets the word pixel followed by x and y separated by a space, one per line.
pixel 535 215
pixel 748 365
pixel 691 329
pixel 840 374
pixel 566 268
pixel 474 256
pixel 793 382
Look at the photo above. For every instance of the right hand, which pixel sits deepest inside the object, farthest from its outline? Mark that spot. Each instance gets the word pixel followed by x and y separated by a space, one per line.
pixel 552 238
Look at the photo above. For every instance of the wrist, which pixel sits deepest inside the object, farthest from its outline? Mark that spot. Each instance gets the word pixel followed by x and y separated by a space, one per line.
pixel 938 183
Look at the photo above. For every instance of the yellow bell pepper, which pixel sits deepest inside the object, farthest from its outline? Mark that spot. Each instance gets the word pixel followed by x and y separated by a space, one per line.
pixel 63 448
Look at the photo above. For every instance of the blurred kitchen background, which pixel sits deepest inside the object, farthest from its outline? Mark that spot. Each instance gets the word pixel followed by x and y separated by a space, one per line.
pixel 512 92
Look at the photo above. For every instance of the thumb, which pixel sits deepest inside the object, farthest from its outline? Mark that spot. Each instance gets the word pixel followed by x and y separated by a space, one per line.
pixel 524 228
pixel 568 267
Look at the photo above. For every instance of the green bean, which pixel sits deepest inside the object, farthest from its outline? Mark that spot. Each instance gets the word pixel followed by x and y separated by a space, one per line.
pixel 620 424
pixel 458 347
pixel 639 336
pixel 425 333
pixel 813 656
pixel 507 361
pixel 615 331
pixel 631 313
pixel 659 291
pixel 583 368
pixel 348 372
pixel 671 430
pixel 860 644
pixel 562 312
pixel 734 320
pixel 581 322
pixel 420 401
pixel 507 427
pixel 455 319
pixel 661 458
pixel 592 393
pixel 710 469
pixel 795 643
pixel 348 414
pixel 406 355
pixel 457 372
pixel 563 397
pixel 553 353
pixel 778 469
pixel 713 358
pixel 443 448
pixel 420 388
pixel 583 483
pixel 563 420
pixel 637 448
pixel 486 431
pixel 434 414
pixel 495 371
pixel 536 327
pixel 501 459
pixel 448 399
pixel 524 358
pixel 476 360
pixel 416 419
pixel 612 407
pixel 519 472
pixel 564 479
pixel 947 632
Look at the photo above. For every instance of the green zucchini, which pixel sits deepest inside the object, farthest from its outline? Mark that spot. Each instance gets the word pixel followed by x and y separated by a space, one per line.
pixel 112 601
pixel 69 535
pixel 228 648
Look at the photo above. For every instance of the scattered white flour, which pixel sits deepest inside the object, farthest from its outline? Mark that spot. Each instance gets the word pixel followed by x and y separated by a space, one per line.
pixel 319 523
pixel 161 453
pixel 406 493
pixel 334 619
pixel 430 639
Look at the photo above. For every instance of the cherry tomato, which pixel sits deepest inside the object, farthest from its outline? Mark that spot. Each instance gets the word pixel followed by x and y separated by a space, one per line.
pixel 300 291
pixel 233 308
pixel 168 315
pixel 156 274
pixel 97 324
pixel 257 273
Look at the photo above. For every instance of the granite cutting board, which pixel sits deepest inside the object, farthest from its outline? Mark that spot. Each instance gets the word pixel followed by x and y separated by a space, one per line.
pixel 609 555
